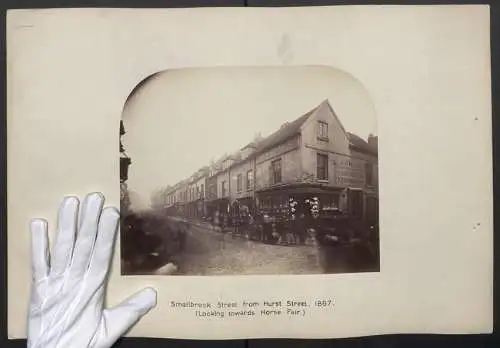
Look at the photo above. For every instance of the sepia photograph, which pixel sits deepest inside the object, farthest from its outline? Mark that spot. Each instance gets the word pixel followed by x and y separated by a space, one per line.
pixel 229 171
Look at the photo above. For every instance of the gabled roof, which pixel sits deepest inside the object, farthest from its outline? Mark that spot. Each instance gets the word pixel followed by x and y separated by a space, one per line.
pixel 286 131
pixel 359 143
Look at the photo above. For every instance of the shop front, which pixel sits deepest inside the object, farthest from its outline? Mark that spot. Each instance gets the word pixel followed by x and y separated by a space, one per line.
pixel 276 202
pixel 200 211
pixel 220 205
pixel 190 209
pixel 211 208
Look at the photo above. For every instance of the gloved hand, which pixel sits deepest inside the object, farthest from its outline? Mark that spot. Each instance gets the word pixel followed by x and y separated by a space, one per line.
pixel 67 295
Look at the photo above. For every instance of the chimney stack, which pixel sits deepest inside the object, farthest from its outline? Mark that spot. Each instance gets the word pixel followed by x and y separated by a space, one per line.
pixel 373 140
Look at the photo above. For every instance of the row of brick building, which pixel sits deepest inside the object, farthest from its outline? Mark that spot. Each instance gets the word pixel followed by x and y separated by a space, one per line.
pixel 312 156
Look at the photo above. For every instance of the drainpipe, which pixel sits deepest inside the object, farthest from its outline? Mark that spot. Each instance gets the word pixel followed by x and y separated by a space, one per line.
pixel 254 175
pixel 228 189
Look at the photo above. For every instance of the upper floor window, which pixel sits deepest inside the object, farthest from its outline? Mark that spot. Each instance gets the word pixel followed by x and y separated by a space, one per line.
pixel 369 178
pixel 239 182
pixel 322 166
pixel 276 171
pixel 249 180
pixel 322 130
pixel 223 188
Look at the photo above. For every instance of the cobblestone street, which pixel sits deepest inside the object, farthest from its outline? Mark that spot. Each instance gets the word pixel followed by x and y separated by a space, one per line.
pixel 212 253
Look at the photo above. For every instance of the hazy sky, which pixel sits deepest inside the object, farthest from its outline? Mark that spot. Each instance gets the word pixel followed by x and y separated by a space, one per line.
pixel 181 119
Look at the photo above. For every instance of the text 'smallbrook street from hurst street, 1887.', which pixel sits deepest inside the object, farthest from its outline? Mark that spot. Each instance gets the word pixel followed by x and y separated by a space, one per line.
pixel 267 308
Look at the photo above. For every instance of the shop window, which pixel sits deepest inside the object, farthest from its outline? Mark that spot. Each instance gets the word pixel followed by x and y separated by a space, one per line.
pixel 330 203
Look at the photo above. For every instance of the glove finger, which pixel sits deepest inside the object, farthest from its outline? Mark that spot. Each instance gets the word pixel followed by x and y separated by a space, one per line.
pixel 65 238
pixel 39 249
pixel 118 320
pixel 86 235
pixel 103 248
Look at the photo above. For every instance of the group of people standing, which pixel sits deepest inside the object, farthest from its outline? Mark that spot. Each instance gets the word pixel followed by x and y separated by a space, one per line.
pixel 264 228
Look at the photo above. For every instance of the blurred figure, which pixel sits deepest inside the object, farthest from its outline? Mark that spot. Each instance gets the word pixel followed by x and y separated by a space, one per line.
pixel 251 227
pixel 300 229
pixel 216 221
pixel 224 222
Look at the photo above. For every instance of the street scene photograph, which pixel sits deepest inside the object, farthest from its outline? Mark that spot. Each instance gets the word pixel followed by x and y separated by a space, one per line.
pixel 249 171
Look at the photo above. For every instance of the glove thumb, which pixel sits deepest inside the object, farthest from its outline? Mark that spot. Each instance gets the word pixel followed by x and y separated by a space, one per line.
pixel 117 321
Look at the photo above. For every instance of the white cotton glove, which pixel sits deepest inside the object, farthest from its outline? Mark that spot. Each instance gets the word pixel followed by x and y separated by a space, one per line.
pixel 67 295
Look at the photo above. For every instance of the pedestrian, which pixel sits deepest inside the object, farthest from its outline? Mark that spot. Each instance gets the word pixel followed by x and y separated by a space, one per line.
pixel 291 231
pixel 250 230
pixel 224 221
pixel 236 225
pixel 301 229
pixel 216 221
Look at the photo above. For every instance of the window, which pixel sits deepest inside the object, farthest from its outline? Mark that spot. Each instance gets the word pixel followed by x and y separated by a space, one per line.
pixel 369 173
pixel 265 203
pixel 276 171
pixel 249 180
pixel 322 166
pixel 223 189
pixel 330 203
pixel 239 182
pixel 202 191
pixel 322 130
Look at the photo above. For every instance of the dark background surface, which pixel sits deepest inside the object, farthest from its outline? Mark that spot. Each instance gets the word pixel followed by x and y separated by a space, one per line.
pixel 389 341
